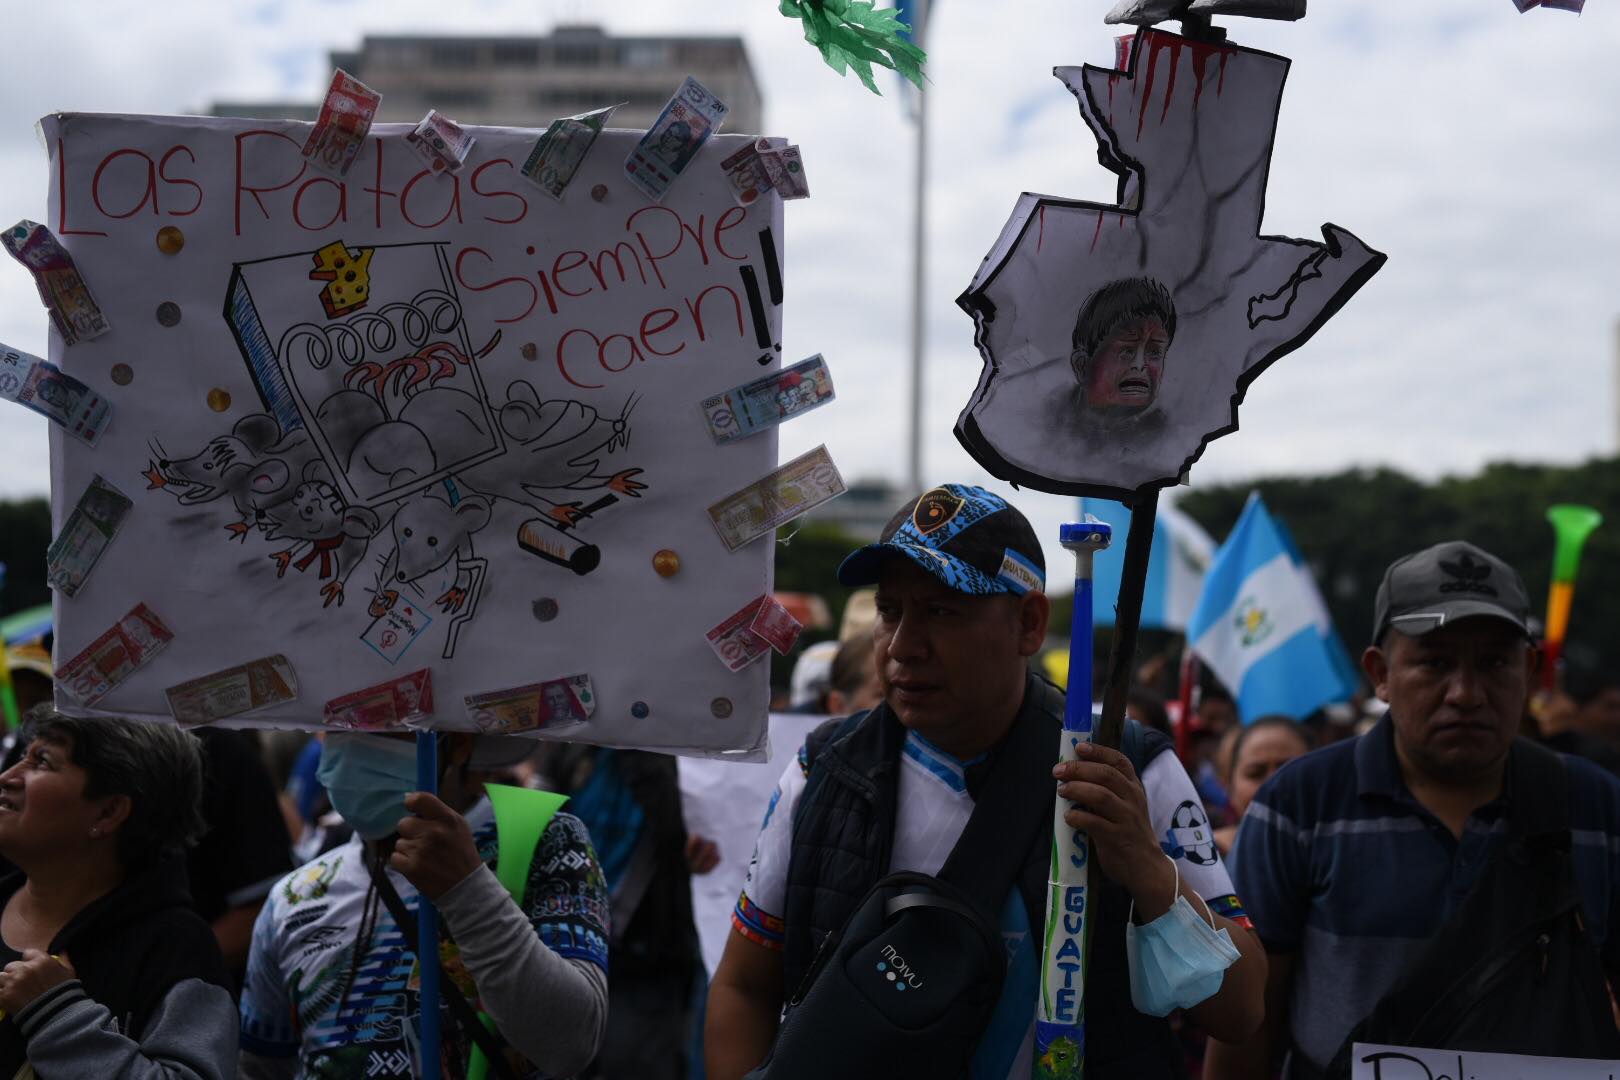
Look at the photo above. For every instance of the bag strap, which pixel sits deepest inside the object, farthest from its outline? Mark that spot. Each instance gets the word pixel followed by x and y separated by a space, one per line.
pixel 1539 791
pixel 1430 990
pixel 487 1039
pixel 1017 794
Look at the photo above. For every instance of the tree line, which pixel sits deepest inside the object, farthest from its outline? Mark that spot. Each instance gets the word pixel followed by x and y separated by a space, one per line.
pixel 1349 526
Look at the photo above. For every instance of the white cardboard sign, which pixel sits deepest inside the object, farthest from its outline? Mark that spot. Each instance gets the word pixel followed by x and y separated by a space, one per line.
pixel 1374 1062
pixel 412 420
pixel 1119 339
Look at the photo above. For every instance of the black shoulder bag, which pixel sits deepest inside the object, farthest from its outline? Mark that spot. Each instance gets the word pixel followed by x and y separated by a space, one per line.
pixel 907 986
pixel 1514 970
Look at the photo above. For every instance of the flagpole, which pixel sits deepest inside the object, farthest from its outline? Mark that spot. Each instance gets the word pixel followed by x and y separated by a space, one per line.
pixel 427 925
pixel 1189 703
pixel 918 266
pixel 1144 506
pixel 1060 1016
pixel 8 695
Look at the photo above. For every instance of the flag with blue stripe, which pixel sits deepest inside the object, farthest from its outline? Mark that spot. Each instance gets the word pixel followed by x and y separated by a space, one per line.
pixel 1177 563
pixel 1262 628
pixel 914 13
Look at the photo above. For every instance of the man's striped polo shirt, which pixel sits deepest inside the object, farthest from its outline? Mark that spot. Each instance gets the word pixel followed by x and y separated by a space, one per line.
pixel 1340 865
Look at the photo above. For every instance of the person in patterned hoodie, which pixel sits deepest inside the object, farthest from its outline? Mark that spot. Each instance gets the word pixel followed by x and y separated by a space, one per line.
pixel 332 982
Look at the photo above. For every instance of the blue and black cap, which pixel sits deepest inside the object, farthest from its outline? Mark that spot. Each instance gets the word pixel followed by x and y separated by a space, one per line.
pixel 969 539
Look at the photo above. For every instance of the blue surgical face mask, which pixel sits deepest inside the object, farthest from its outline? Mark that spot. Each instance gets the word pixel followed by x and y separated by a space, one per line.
pixel 1177 960
pixel 367 778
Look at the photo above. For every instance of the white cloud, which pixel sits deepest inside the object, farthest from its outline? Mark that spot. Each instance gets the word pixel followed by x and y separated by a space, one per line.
pixel 1476 146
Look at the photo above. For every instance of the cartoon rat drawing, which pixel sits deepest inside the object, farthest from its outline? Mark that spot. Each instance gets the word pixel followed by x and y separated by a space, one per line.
pixel 256 465
pixel 561 446
pixel 429 530
pixel 316 516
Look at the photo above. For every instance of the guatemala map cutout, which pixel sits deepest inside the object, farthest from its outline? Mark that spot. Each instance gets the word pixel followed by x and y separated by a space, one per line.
pixel 1118 340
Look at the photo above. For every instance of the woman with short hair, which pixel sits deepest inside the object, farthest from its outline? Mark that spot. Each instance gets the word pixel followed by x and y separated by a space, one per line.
pixel 107 970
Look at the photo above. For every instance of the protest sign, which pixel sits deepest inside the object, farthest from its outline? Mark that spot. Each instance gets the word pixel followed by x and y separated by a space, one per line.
pixel 1119 339
pixel 1369 1062
pixel 407 419
pixel 725 800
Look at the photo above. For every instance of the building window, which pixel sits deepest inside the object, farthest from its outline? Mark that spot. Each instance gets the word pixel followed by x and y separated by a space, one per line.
pixel 453 97
pixel 646 54
pixel 570 98
pixel 453 55
pixel 571 55
pixel 708 54
pixel 516 53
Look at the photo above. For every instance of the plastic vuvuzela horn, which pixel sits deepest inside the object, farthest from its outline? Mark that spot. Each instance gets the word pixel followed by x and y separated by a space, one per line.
pixel 1571 525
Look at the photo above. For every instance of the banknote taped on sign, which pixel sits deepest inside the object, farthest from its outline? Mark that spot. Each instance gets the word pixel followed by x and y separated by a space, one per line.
pixel 406 411
pixel 1119 339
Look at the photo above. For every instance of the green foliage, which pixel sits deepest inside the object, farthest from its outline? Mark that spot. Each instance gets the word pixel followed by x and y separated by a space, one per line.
pixel 856 34
pixel 25 533
pixel 808 563
pixel 1350 526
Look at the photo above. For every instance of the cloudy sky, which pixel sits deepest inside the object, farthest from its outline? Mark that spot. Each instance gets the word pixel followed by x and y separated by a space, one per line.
pixel 1476 146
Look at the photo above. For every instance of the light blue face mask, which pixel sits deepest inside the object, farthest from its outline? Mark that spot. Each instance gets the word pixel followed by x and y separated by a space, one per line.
pixel 367 778
pixel 1177 960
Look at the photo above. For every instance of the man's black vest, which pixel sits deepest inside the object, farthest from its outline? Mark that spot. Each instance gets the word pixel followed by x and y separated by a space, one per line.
pixel 843 838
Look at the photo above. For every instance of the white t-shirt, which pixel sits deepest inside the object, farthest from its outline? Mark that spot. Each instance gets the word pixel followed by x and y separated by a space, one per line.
pixel 933 806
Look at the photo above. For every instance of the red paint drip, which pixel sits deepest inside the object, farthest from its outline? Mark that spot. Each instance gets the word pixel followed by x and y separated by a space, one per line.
pixel 1170 87
pixel 1098 233
pixel 1040 235
pixel 1200 61
pixel 1147 85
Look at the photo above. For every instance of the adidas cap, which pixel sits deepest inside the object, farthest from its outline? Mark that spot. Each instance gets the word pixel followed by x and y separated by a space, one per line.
pixel 1450 581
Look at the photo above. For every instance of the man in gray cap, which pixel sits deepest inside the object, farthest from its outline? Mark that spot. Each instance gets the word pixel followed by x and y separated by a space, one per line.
pixel 1384 873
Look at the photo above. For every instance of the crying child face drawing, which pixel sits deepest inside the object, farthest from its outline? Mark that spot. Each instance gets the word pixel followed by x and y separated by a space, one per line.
pixel 1121 341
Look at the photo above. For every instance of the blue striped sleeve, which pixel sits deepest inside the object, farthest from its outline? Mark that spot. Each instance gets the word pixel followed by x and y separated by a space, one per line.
pixel 1271 868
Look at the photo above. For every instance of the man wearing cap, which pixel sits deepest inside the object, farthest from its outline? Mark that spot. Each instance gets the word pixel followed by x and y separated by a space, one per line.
pixel 332 978
pixel 961 611
pixel 1353 859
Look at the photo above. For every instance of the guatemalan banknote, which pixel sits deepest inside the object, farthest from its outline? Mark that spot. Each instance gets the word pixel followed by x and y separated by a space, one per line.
pixel 548 704
pixel 557 154
pixel 114 656
pixel 41 386
pixel 389 706
pixel 236 690
pixel 340 130
pixel 777 498
pixel 89 529
pixel 768 400
pixel 674 139
pixel 62 290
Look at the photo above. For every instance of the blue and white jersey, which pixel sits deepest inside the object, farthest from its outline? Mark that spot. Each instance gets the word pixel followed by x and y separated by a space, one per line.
pixel 307 996
pixel 933 808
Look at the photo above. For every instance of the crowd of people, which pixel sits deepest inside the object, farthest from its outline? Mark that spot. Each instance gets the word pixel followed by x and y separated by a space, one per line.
pixel 1438 870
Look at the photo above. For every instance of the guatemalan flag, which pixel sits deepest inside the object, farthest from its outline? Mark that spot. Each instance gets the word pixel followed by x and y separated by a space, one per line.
pixel 1180 557
pixel 1261 625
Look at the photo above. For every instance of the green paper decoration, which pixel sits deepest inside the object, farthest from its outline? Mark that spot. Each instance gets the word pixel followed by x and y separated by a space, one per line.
pixel 856 34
